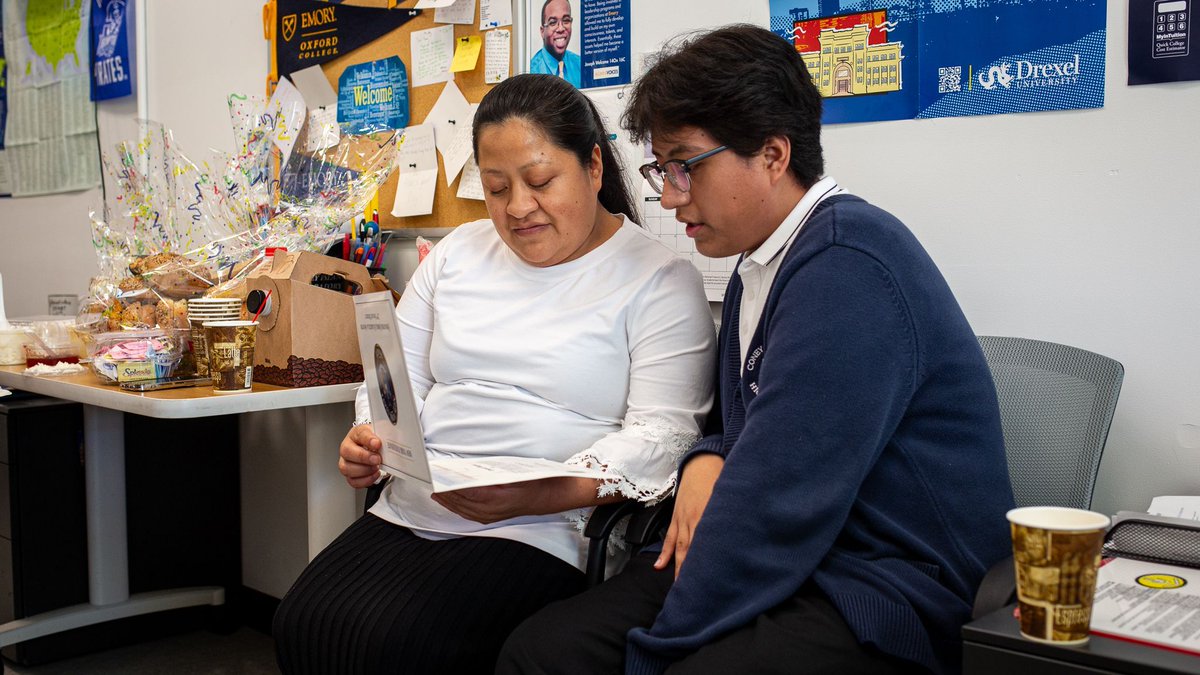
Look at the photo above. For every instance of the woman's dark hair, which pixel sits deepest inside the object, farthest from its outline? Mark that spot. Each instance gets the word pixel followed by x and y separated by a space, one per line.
pixel 568 119
pixel 742 85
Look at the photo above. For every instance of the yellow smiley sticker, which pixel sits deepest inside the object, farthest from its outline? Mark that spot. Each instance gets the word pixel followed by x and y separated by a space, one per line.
pixel 1161 581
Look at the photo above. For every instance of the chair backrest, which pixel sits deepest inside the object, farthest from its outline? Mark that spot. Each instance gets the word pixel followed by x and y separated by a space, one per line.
pixel 1056 404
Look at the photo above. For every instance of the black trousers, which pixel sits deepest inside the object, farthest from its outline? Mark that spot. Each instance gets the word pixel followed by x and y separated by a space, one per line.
pixel 586 634
pixel 380 599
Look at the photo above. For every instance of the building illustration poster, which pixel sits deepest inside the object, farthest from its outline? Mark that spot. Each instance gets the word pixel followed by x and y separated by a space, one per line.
pixel 903 59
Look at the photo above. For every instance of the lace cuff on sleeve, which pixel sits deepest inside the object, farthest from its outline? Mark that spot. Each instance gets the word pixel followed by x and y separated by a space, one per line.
pixel 642 458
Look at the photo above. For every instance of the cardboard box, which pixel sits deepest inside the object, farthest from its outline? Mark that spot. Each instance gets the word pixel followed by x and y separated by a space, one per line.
pixel 306 335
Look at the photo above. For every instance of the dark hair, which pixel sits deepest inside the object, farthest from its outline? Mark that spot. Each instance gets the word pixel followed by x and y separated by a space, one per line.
pixel 568 119
pixel 742 84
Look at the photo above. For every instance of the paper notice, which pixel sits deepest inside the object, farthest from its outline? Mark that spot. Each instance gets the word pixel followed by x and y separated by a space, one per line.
pixel 314 87
pixel 462 11
pixel 323 130
pixel 287 110
pixel 433 4
pixel 469 186
pixel 449 113
pixel 494 14
pixel 416 164
pixel 432 51
pixel 497 56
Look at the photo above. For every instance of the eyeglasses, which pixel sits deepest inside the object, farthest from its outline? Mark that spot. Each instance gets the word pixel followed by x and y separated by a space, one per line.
pixel 676 170
pixel 553 22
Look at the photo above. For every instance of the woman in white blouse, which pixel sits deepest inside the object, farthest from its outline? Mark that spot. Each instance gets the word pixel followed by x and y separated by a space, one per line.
pixel 556 329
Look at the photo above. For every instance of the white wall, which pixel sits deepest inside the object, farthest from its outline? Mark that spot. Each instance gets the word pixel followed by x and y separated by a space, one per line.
pixel 1080 227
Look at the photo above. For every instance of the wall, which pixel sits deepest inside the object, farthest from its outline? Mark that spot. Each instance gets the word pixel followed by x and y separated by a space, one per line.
pixel 1077 227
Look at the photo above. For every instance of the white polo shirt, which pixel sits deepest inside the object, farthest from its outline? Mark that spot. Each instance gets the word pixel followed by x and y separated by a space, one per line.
pixel 757 270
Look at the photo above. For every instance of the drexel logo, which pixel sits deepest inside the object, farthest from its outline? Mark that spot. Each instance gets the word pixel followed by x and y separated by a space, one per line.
pixel 996 75
pixel 289 27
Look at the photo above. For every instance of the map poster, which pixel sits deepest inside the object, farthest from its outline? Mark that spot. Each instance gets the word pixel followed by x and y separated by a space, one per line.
pixel 901 59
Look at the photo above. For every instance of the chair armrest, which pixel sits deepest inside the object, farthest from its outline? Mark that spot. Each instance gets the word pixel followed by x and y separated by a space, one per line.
pixel 599 528
pixel 998 589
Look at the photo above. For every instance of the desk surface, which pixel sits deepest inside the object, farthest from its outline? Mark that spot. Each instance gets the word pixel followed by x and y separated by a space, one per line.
pixel 85 387
pixel 998 634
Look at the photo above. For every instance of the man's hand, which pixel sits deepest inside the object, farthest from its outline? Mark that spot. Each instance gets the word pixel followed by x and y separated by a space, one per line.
pixel 695 488
pixel 359 458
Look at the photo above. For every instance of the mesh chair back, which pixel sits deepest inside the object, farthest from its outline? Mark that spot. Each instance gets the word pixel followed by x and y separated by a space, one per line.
pixel 1056 404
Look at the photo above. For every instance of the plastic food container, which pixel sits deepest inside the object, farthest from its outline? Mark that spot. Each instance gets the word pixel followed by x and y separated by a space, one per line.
pixel 50 340
pixel 128 356
pixel 12 346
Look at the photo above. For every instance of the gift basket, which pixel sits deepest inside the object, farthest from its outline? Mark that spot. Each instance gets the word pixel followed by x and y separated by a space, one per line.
pixel 173 229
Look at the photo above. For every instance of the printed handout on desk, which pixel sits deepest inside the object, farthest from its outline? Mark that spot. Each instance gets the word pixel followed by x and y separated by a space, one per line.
pixel 416 166
pixel 1148 602
pixel 1176 506
pixel 497 55
pixel 461 11
pixel 397 422
pixel 432 50
pixel 494 14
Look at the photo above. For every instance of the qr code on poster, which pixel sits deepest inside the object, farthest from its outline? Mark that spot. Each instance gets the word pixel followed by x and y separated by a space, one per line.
pixel 949 79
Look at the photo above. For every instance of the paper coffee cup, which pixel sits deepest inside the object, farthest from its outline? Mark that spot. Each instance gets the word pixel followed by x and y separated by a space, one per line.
pixel 1056 551
pixel 229 346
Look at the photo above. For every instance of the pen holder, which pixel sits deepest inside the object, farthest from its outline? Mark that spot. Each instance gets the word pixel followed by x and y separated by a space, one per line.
pixel 377 266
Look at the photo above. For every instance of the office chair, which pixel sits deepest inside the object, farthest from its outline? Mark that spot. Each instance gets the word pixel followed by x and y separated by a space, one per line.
pixel 1056 406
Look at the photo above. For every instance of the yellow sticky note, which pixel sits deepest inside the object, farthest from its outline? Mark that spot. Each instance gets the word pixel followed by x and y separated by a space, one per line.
pixel 466 53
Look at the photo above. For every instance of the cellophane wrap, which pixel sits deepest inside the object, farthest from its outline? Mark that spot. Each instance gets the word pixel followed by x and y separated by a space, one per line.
pixel 173 228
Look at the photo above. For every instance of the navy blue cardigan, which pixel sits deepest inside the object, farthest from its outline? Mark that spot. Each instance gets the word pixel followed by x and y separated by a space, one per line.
pixel 862 447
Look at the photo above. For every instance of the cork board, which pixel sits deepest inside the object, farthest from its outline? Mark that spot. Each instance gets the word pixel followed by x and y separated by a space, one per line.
pixel 448 210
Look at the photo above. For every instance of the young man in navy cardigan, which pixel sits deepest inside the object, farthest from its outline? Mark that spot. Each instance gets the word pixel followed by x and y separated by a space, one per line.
pixel 850 493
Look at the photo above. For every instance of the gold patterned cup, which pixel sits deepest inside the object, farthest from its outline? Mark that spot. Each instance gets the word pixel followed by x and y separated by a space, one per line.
pixel 230 349
pixel 1057 552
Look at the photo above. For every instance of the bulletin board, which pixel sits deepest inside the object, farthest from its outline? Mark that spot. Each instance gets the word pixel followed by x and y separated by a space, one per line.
pixel 448 210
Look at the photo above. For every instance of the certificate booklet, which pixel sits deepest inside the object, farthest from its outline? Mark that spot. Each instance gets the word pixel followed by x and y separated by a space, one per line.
pixel 1148 602
pixel 396 422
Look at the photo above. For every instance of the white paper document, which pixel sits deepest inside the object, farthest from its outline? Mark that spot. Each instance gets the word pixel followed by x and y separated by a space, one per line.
pixel 470 186
pixel 288 110
pixel 432 52
pixel 462 11
pixel 416 166
pixel 450 113
pixel 1148 602
pixel 323 129
pixel 1176 506
pixel 497 55
pixel 494 14
pixel 433 4
pixel 314 87
pixel 397 423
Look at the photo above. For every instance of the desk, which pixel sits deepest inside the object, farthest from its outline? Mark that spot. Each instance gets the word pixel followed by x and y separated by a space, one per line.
pixel 104 471
pixel 993 644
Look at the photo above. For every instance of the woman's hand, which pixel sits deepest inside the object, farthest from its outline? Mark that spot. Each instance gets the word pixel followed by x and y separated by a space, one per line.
pixel 695 488
pixel 494 503
pixel 359 458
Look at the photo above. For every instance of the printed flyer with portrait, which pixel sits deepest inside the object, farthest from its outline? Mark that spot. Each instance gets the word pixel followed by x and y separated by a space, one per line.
pixel 396 418
pixel 585 42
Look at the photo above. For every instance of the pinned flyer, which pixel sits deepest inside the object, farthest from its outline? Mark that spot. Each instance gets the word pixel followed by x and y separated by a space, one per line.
pixel 497 57
pixel 470 186
pixel 449 113
pixel 416 164
pixel 462 12
pixel 286 110
pixel 432 51
pixel 433 4
pixel 460 148
pixel 494 14
pixel 466 53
